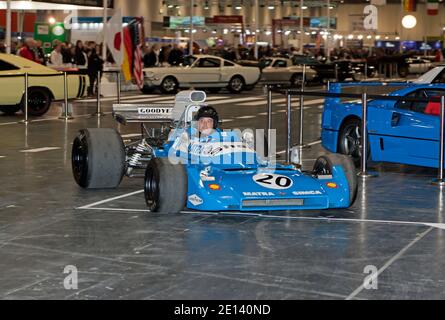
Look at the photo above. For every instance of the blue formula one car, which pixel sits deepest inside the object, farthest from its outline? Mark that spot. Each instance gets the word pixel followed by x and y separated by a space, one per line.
pixel 218 171
pixel 398 131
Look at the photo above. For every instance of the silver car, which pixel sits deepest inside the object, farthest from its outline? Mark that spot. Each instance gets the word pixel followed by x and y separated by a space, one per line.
pixel 282 70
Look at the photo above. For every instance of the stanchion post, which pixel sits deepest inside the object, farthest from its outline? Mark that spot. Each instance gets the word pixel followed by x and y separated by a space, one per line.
pixel 289 127
pixel 304 78
pixel 366 70
pixel 269 117
pixel 336 72
pixel 439 181
pixel 118 87
pixel 66 115
pixel 364 143
pixel 25 102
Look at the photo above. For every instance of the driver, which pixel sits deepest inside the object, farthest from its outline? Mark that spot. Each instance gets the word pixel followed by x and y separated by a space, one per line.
pixel 207 119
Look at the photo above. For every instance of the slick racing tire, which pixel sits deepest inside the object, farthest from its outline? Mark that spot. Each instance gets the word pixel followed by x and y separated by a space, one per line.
pixel 10 110
pixel 324 164
pixel 98 158
pixel 39 101
pixel 165 186
pixel 236 84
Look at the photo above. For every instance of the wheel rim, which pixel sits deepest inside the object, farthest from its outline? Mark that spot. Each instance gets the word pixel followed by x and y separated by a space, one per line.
pixel 80 160
pixel 352 141
pixel 169 84
pixel 37 101
pixel 237 84
pixel 151 189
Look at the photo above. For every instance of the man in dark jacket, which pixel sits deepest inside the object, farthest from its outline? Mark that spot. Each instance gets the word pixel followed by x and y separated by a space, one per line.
pixel 176 56
pixel 95 64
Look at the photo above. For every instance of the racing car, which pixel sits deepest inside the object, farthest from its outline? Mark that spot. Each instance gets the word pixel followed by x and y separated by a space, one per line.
pixel 399 131
pixel 219 172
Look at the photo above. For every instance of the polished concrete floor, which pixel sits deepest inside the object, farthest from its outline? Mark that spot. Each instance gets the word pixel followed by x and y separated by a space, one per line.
pixel 121 251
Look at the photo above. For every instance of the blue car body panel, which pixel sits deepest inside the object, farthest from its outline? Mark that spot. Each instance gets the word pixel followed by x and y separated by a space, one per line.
pixel 395 134
pixel 244 181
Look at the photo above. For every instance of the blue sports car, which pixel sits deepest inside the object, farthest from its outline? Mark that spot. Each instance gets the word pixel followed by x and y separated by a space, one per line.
pixel 216 171
pixel 398 131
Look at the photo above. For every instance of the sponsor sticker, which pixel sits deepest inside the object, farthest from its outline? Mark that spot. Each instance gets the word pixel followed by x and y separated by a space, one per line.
pixel 307 193
pixel 157 111
pixel 258 194
pixel 195 200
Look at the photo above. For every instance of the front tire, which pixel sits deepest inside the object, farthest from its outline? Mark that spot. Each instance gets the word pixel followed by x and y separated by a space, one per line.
pixel 236 84
pixel 165 186
pixel 324 165
pixel 98 158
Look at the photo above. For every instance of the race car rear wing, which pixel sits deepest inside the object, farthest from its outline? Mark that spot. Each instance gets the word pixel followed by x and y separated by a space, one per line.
pixel 186 103
pixel 154 113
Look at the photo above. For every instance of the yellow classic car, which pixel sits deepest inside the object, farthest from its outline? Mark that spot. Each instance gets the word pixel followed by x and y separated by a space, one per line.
pixel 44 85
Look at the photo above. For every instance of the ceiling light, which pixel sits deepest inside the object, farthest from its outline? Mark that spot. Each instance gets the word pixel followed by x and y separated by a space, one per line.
pixel 52 20
pixel 409 21
pixel 271 7
pixel 369 37
pixel 377 37
pixel 304 7
pixel 238 7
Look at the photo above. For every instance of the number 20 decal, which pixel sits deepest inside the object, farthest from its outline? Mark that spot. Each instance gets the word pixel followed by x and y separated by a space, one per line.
pixel 273 181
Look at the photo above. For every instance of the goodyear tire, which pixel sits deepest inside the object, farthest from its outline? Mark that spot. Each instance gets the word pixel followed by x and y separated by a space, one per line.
pixel 324 164
pixel 169 85
pixel 10 110
pixel 165 186
pixel 236 84
pixel 98 158
pixel 39 101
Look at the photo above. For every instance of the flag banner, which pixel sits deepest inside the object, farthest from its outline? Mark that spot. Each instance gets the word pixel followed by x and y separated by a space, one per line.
pixel 432 7
pixel 409 5
pixel 128 54
pixel 138 39
pixel 113 37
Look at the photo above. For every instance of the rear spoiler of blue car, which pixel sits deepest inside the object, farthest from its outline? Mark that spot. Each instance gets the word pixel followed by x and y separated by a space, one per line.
pixel 374 87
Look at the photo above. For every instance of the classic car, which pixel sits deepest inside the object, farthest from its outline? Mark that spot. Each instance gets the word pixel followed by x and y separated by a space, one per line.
pixel 201 71
pixel 45 85
pixel 220 171
pixel 283 70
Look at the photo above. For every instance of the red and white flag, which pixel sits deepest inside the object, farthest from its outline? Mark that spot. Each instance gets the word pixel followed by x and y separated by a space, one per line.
pixel 432 7
pixel 113 37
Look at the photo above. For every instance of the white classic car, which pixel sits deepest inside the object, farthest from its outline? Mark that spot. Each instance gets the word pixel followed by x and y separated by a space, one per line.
pixel 45 85
pixel 201 72
pixel 418 65
pixel 282 70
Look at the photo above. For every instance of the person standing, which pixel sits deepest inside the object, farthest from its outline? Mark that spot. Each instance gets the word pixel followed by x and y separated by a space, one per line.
pixel 56 56
pixel 95 64
pixel 175 56
pixel 40 54
pixel 27 50
pixel 80 57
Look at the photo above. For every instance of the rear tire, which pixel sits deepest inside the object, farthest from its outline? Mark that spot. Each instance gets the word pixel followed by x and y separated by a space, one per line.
pixel 98 158
pixel 324 164
pixel 147 89
pixel 236 84
pixel 165 186
pixel 39 101
pixel 349 140
pixel 10 110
